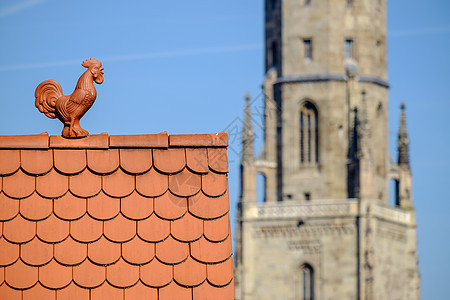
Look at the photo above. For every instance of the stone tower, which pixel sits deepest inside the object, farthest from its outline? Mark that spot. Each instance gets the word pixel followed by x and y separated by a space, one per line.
pixel 325 229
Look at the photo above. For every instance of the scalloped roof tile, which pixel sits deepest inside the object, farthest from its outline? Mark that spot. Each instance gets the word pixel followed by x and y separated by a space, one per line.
pixel 115 217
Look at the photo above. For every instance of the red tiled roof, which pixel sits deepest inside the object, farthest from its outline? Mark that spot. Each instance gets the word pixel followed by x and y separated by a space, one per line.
pixel 115 217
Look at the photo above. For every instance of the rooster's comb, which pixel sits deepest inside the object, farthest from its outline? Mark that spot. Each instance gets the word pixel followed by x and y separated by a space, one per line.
pixel 91 62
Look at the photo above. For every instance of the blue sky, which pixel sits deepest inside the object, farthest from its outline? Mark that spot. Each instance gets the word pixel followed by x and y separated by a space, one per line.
pixel 184 67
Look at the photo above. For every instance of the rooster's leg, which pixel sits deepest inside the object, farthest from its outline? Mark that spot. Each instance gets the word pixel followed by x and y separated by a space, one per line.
pixel 77 130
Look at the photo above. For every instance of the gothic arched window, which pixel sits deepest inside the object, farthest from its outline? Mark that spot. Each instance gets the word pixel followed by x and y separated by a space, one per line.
pixel 309 134
pixel 307 278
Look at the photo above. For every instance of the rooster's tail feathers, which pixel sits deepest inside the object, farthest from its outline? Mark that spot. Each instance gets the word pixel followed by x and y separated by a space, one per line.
pixel 46 95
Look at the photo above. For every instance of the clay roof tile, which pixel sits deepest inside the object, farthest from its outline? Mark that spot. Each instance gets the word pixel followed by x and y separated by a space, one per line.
pixel 9 161
pixel 156 274
pixel 9 208
pixel 52 185
pixel 13 189
pixel 137 251
pixel 205 207
pixel 36 162
pixel 88 275
pixel 136 207
pixel 153 229
pixel 171 251
pixel 118 184
pixel 218 159
pixel 103 207
pixel 38 292
pixel 214 184
pixel 120 229
pixel 53 229
pixel 85 184
pixel 36 252
pixel 36 207
pixel 218 229
pixel 185 183
pixel 174 291
pixel 190 273
pixel 169 161
pixel 21 276
pixel 197 160
pixel 86 229
pixel 55 276
pixel 210 252
pixel 106 291
pixel 70 161
pixel 122 275
pixel 152 183
pixel 72 292
pixel 9 252
pixel 220 274
pixel 169 206
pixel 103 161
pixel 19 230
pixel 70 252
pixel 104 252
pixel 136 161
pixel 69 207
pixel 9 293
pixel 141 292
pixel 207 291
pixel 188 228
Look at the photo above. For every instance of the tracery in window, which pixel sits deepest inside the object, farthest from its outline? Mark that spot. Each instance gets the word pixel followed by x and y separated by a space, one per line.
pixel 309 134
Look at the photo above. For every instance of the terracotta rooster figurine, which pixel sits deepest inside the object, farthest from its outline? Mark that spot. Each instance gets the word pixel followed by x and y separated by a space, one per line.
pixel 69 109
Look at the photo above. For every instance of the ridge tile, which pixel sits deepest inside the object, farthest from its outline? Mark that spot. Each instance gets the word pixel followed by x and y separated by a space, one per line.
pixel 214 184
pixel 86 229
pixel 185 183
pixel 169 206
pixel 220 274
pixel 205 207
pixel 120 229
pixel 137 251
pixel 98 141
pixel 70 252
pixel 186 229
pixel 88 275
pixel 72 292
pixel 38 292
pixel 208 252
pixel 36 252
pixel 118 184
pixel 153 229
pixel 19 185
pixel 122 274
pixel 170 251
pixel 104 252
pixel 136 161
pixel 9 293
pixel 34 141
pixel 152 183
pixel 54 275
pixel 207 291
pixel 199 140
pixel 141 292
pixel 174 291
pixel 197 160
pixel 136 207
pixel 19 230
pixel 103 207
pixel 160 140
pixel 20 276
pixel 69 161
pixel 53 229
pixel 190 273
pixel 156 274
pixel 69 207
pixel 218 160
pixel 9 161
pixel 218 229
pixel 106 291
pixel 36 207
pixel 9 208
pixel 52 185
pixel 36 162
pixel 103 161
pixel 9 253
pixel 169 161
pixel 85 184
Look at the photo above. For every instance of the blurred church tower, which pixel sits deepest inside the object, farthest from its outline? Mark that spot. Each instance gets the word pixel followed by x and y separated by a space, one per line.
pixel 325 227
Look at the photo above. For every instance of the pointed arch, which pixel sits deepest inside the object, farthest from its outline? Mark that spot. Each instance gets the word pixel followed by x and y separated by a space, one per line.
pixel 306 282
pixel 309 133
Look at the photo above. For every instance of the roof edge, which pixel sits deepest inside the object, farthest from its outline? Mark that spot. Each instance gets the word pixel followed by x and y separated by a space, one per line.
pixel 105 141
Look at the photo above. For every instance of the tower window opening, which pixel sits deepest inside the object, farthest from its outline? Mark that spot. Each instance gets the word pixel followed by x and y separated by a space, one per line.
pixel 307 48
pixel 307 2
pixel 309 134
pixel 307 196
pixel 349 49
pixel 307 274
